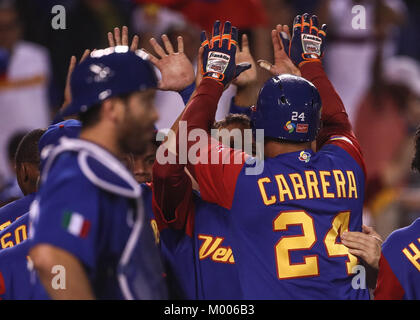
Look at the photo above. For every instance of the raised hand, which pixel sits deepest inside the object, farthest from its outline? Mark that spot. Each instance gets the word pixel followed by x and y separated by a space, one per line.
pixel 219 54
pixel 282 63
pixel 308 41
pixel 248 77
pixel 67 89
pixel 176 69
pixel 121 38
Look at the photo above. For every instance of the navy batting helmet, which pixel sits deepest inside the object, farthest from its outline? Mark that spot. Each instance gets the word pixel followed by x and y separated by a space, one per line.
pixel 108 73
pixel 288 108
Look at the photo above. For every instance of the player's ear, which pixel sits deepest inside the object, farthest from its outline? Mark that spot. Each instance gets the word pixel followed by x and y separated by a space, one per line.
pixel 109 109
pixel 24 172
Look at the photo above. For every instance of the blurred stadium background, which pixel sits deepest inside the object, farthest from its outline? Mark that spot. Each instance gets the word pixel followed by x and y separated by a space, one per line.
pixel 375 70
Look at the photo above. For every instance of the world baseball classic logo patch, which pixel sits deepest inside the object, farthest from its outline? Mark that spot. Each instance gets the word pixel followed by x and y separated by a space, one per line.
pixel 304 156
pixel 289 126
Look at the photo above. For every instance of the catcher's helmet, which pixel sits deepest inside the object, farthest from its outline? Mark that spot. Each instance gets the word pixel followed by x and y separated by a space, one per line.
pixel 288 108
pixel 108 73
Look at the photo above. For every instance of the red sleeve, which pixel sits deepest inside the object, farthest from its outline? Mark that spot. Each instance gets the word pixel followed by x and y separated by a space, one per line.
pixel 336 128
pixel 217 178
pixel 387 287
pixel 215 167
pixel 2 285
pixel 172 200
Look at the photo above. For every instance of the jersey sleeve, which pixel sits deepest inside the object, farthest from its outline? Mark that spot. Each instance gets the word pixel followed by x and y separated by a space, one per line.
pixel 336 128
pixel 388 286
pixel 217 172
pixel 66 216
pixel 172 203
pixel 208 161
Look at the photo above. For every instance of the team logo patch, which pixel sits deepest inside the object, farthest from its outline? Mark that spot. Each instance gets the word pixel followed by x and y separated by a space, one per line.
pixel 302 128
pixel 217 62
pixel 304 156
pixel 289 126
pixel 311 45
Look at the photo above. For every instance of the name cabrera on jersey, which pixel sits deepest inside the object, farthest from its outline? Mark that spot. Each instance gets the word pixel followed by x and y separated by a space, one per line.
pixel 88 205
pixel 286 235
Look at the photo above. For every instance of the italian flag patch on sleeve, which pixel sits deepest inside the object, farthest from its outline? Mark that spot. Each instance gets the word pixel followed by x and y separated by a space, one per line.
pixel 76 224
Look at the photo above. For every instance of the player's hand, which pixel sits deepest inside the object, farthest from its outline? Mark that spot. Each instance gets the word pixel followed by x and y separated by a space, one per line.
pixel 365 245
pixel 219 54
pixel 282 62
pixel 121 38
pixel 247 82
pixel 176 69
pixel 67 89
pixel 308 41
pixel 248 77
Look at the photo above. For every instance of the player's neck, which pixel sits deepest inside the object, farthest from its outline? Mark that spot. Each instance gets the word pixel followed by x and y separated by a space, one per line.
pixel 273 149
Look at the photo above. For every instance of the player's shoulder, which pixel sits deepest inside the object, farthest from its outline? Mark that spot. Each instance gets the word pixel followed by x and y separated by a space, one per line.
pixel 65 171
pixel 400 238
pixel 78 162
pixel 339 149
pixel 18 206
pixel 22 220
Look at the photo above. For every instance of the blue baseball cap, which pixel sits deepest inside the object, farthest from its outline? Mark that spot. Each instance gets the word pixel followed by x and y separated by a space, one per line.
pixel 51 137
pixel 108 73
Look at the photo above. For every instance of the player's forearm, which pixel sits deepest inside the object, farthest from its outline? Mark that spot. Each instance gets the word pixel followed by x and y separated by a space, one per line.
pixel 333 110
pixel 171 188
pixel 202 108
pixel 61 274
pixel 201 112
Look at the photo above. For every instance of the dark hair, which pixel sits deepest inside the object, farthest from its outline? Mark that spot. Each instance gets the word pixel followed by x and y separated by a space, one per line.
pixel 13 143
pixel 90 117
pixel 415 164
pixel 27 150
pixel 233 118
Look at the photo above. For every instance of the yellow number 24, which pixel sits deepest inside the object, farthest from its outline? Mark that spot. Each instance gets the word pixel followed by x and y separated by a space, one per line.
pixel 308 268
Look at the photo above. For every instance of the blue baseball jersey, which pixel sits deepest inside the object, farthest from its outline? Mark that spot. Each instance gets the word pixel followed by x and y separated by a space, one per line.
pixel 15 209
pixel 285 220
pixel 15 276
pixel 288 234
pixel 399 266
pixel 15 233
pixel 198 256
pixel 176 251
pixel 214 254
pixel 89 206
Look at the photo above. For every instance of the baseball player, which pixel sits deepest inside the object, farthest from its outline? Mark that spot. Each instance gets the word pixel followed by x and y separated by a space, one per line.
pixel 27 173
pixel 399 265
pixel 196 232
pixel 286 213
pixel 15 275
pixel 93 225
